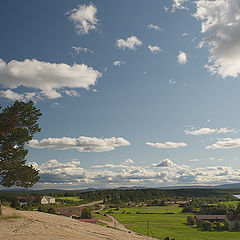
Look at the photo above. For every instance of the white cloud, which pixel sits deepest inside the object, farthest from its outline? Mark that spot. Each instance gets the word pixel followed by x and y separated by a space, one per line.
pixel 179 5
pixel 164 163
pixel 129 160
pixel 185 34
pixel 82 143
pixel 84 18
pixel 221 26
pixel 172 82
pixel 154 27
pixel 45 76
pixel 225 143
pixel 167 144
pixel 118 63
pixel 54 173
pixel 131 43
pixel 11 95
pixel 154 49
pixel 72 93
pixel 182 58
pixel 194 160
pixel 78 50
pixel 204 131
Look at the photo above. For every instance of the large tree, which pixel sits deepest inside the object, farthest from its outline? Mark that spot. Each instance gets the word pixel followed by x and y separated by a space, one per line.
pixel 18 124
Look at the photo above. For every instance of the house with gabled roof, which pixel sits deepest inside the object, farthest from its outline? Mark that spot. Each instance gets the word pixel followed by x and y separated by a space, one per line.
pixel 47 200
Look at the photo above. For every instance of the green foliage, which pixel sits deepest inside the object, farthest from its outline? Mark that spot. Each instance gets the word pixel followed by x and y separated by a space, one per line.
pixel 227 226
pixel 237 226
pixel 218 226
pixel 207 226
pixel 188 209
pixel 191 220
pixel 199 223
pixel 18 124
pixel 219 209
pixel 86 213
pixel 15 203
pixel 51 210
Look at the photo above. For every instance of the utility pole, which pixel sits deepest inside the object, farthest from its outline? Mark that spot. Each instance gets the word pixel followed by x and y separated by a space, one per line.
pixel 147 228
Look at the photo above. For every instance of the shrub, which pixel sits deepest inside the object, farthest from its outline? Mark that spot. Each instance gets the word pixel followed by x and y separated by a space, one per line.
pixel 227 226
pixel 237 226
pixel 86 213
pixel 51 210
pixel 207 226
pixel 191 220
pixel 15 203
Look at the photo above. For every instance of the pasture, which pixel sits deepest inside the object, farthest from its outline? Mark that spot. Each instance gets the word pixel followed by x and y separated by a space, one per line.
pixel 75 199
pixel 165 221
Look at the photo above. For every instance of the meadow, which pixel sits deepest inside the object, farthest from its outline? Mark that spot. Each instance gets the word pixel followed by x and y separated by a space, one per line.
pixel 76 199
pixel 165 221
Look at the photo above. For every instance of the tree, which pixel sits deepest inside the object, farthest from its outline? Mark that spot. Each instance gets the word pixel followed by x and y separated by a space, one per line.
pixel 191 220
pixel 237 226
pixel 227 226
pixel 15 203
pixel 207 226
pixel 18 124
pixel 86 213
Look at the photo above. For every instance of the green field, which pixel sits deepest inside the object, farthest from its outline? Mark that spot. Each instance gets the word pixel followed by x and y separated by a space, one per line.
pixel 162 225
pixel 76 199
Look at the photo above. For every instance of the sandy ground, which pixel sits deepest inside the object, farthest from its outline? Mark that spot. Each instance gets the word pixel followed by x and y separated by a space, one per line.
pixel 42 226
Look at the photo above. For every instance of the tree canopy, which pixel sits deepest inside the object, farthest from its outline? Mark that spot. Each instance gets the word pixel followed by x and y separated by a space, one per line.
pixel 18 124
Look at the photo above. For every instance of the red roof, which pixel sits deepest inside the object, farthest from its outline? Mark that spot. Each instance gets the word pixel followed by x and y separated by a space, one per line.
pixel 88 220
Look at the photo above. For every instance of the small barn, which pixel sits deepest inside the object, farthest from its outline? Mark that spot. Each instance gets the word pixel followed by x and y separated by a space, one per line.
pixel 212 218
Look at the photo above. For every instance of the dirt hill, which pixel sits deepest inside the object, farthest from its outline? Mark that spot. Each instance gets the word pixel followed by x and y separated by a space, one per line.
pixel 31 225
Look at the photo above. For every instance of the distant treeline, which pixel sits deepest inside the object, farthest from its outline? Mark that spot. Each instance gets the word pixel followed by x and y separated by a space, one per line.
pixel 135 195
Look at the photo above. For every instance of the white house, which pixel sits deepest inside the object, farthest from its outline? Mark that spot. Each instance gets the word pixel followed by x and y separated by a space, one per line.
pixel 47 200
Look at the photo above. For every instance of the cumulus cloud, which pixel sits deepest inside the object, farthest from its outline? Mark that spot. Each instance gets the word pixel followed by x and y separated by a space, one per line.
pixel 54 173
pixel 182 58
pixel 44 76
pixel 154 49
pixel 78 50
pixel 221 29
pixel 84 18
pixel 154 27
pixel 118 63
pixel 185 34
pixel 204 131
pixel 225 143
pixel 11 95
pixel 167 144
pixel 179 5
pixel 194 160
pixel 172 82
pixel 72 93
pixel 82 143
pixel 129 160
pixel 131 43
pixel 164 163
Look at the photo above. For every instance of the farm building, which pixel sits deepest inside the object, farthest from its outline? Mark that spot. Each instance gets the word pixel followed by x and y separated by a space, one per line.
pixel 212 218
pixel 47 200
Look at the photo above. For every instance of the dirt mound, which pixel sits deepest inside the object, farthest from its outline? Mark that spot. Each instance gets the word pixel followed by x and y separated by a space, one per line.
pixel 31 225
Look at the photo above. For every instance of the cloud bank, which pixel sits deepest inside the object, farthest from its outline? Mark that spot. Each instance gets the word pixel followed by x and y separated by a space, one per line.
pixel 81 144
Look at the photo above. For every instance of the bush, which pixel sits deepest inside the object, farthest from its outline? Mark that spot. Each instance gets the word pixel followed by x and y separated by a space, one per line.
pixel 191 220
pixel 86 213
pixel 237 226
pixel 218 226
pixel 207 226
pixel 51 210
pixel 227 226
pixel 199 223
pixel 15 203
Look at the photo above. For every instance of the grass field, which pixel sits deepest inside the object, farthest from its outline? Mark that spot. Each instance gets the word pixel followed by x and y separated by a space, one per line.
pixel 76 199
pixel 162 225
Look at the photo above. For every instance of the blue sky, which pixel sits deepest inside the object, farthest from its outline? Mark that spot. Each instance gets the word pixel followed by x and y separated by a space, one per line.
pixel 132 92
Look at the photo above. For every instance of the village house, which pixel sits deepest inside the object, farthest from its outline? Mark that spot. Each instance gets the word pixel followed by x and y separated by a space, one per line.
pixel 47 200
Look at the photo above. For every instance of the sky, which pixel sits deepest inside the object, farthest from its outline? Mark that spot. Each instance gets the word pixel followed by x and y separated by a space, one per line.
pixel 132 93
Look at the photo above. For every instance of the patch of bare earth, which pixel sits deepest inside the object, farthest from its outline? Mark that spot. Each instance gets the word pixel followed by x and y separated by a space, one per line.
pixel 31 225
